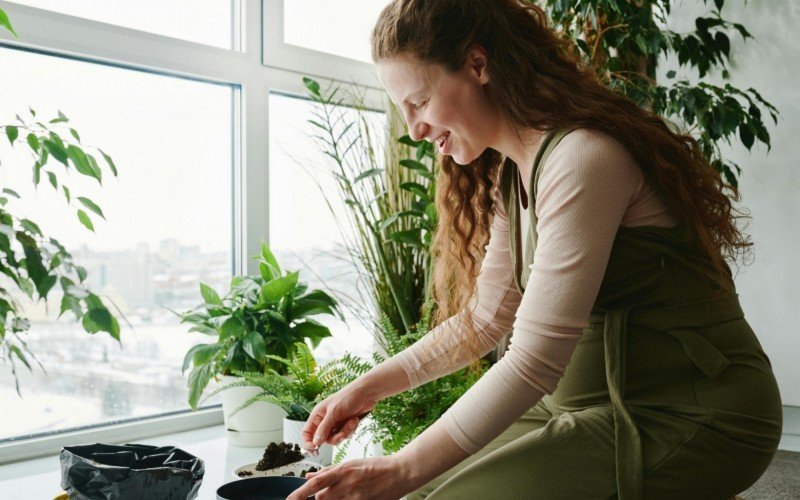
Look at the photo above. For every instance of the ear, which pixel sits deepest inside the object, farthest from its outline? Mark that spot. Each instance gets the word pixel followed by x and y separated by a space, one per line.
pixel 476 64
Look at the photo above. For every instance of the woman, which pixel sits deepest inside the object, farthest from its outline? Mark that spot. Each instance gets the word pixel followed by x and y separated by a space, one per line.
pixel 607 238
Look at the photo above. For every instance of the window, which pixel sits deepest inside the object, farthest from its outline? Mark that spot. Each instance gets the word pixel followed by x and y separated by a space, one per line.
pixel 328 20
pixel 189 128
pixel 168 227
pixel 210 22
pixel 329 39
pixel 305 234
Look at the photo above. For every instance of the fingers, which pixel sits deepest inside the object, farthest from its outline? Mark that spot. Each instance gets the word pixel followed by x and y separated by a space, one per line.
pixel 345 432
pixel 307 434
pixel 319 482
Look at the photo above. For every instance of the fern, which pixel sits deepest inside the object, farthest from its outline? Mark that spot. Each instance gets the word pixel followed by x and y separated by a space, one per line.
pixel 396 421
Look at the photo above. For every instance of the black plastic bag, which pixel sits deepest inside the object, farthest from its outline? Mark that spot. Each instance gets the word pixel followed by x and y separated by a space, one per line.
pixel 128 472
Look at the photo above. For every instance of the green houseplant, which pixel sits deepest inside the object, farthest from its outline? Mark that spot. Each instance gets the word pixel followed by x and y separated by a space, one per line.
pixel 625 41
pixel 296 393
pixel 33 263
pixel 260 320
pixel 397 420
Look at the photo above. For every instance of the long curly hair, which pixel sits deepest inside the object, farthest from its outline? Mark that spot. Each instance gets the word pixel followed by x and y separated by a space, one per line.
pixel 540 82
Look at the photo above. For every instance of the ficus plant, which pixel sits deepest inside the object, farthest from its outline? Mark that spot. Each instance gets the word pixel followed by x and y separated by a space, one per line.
pixel 624 40
pixel 32 262
pixel 262 317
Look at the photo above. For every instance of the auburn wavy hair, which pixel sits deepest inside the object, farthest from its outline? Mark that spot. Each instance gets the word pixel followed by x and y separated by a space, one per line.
pixel 539 81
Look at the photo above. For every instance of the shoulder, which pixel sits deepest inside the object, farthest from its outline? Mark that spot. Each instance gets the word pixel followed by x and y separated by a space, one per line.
pixel 589 155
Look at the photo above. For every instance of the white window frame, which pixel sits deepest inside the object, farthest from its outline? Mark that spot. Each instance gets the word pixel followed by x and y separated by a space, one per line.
pixel 54 33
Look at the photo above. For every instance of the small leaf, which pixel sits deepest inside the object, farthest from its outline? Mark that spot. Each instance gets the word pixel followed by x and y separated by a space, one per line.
pixel 33 141
pixel 12 133
pixel 75 134
pixel 312 86
pixel 110 162
pixel 5 23
pixel 11 192
pixel 91 206
pixel 85 220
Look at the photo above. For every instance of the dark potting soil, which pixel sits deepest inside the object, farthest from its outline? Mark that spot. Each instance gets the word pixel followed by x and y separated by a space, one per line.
pixel 278 454
pixel 302 472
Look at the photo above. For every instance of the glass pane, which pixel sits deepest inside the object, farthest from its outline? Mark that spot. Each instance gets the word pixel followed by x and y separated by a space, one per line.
pixel 209 22
pixel 342 28
pixel 168 227
pixel 304 234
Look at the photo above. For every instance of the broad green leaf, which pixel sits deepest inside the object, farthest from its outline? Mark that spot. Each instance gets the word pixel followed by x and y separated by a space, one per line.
pixel 205 353
pixel 276 289
pixel 91 206
pixel 81 162
pixel 232 327
pixel 187 359
pixel 268 256
pixel 100 320
pixel 198 380
pixel 210 295
pixel 313 331
pixel 11 192
pixel 253 344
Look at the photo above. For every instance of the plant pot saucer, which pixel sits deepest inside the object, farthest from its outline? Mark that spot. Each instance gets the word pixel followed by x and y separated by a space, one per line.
pixel 296 467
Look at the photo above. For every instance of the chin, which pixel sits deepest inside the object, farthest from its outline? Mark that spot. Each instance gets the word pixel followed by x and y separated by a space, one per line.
pixel 464 159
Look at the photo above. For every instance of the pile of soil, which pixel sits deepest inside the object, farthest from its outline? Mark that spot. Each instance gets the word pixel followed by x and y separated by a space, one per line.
pixel 303 472
pixel 278 454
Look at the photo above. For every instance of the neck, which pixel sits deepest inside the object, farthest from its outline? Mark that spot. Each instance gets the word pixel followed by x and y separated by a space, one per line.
pixel 520 148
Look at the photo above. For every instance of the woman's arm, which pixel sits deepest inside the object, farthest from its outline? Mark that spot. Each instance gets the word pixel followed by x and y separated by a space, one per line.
pixel 493 305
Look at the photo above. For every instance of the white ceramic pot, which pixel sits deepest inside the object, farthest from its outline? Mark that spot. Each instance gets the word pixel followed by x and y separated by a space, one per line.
pixel 255 426
pixel 292 433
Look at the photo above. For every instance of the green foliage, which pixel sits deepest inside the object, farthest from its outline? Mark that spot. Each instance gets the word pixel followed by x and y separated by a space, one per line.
pixel 258 323
pixel 35 263
pixel 623 41
pixel 396 421
pixel 388 192
pixel 297 392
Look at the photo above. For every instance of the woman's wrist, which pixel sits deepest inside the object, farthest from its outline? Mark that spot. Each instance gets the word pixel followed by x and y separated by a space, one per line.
pixel 383 381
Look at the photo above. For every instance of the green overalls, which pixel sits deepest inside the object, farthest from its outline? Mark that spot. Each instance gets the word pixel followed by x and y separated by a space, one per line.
pixel 667 395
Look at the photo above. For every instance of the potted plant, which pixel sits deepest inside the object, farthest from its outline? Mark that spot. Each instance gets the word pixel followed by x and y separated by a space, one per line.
pixel 297 393
pixel 262 317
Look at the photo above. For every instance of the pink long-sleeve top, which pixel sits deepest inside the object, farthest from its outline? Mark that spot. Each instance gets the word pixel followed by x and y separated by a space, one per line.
pixel 587 188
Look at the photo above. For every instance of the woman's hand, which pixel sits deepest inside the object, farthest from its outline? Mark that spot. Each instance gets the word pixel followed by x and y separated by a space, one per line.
pixel 378 478
pixel 336 417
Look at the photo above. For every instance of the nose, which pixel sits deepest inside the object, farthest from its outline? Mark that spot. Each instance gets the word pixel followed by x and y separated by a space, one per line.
pixel 417 129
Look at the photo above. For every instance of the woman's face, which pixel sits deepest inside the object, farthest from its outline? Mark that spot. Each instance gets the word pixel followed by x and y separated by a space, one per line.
pixel 451 110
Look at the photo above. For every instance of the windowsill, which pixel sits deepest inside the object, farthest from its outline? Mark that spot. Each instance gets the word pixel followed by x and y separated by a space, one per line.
pixel 40 478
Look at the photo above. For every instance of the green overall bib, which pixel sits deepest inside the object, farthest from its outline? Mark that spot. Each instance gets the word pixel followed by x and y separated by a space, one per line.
pixel 667 395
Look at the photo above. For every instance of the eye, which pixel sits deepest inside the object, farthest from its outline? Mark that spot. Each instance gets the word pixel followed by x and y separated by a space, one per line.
pixel 418 106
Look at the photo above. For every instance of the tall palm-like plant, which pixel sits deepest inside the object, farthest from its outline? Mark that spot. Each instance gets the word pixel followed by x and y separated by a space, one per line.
pixel 387 187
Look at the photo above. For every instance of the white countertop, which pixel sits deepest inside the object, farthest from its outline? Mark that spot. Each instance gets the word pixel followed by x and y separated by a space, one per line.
pixel 39 478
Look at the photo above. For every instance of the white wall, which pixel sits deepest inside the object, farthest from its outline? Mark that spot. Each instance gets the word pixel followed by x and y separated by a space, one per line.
pixel 770 182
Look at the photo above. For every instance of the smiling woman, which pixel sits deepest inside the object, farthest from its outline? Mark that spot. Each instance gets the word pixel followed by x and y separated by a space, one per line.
pixel 631 372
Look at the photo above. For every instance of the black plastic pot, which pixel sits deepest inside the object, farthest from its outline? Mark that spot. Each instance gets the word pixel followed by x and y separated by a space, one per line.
pixel 260 488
